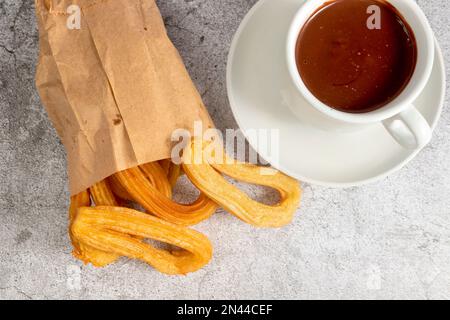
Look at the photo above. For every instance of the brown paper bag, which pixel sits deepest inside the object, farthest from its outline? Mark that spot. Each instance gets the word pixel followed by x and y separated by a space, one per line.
pixel 115 89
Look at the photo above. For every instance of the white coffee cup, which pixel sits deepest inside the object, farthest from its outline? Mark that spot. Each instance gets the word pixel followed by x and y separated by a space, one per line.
pixel 400 118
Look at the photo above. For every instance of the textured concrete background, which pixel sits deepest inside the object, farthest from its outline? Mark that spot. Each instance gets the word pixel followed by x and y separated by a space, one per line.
pixel 386 240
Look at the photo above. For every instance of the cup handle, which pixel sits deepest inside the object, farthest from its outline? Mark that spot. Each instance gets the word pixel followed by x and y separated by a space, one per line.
pixel 409 129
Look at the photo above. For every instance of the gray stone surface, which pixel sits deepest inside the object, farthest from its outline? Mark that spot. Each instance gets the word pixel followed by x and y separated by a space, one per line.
pixel 387 240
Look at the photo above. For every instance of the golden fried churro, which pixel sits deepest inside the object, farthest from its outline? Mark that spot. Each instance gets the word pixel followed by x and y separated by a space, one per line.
pixel 206 176
pixel 102 194
pixel 158 178
pixel 142 191
pixel 174 173
pixel 118 190
pixel 112 229
pixel 82 199
pixel 165 165
pixel 102 234
pixel 82 251
pixel 154 173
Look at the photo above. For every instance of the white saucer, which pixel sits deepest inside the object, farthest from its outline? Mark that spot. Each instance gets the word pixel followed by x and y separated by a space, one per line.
pixel 256 80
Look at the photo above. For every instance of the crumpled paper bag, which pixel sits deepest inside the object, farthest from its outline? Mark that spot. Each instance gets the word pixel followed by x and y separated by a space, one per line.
pixel 115 89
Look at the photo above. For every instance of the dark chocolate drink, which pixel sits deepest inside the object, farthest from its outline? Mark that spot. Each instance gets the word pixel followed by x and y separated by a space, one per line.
pixel 355 59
